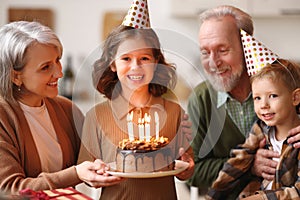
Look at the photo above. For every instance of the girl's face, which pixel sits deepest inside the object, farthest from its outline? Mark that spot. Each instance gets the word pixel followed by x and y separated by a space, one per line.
pixel 135 64
pixel 40 74
pixel 274 103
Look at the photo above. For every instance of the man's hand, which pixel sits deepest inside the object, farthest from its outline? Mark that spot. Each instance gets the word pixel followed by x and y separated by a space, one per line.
pixel 294 137
pixel 263 165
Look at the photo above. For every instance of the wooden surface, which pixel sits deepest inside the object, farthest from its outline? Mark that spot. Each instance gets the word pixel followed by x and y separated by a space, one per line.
pixel 111 20
pixel 44 16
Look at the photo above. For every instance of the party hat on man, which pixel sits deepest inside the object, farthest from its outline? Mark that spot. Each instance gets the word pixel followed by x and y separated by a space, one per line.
pixel 138 15
pixel 257 55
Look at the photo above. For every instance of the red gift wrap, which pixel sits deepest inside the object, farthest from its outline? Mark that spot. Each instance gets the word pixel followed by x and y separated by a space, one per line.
pixel 57 194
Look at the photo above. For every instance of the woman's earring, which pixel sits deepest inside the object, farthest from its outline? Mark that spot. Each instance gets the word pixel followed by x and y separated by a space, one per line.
pixel 19 88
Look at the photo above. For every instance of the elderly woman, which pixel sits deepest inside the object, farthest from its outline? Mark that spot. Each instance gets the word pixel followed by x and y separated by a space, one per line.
pixel 39 130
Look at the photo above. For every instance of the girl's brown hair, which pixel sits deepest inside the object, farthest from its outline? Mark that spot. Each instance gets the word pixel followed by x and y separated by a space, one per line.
pixel 107 82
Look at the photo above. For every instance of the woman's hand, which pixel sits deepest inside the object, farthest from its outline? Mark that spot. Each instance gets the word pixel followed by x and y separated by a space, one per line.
pixel 184 156
pixel 94 174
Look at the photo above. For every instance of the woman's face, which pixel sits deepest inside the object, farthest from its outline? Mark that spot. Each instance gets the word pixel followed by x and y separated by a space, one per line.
pixel 135 64
pixel 39 77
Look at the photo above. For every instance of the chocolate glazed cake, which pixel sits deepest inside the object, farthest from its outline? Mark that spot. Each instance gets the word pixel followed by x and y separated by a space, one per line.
pixel 142 156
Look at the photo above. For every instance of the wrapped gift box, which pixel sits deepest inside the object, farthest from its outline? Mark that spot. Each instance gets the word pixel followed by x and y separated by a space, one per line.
pixel 57 194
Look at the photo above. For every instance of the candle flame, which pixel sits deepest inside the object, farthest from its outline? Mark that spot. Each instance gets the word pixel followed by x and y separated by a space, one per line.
pixel 141 121
pixel 130 116
pixel 147 118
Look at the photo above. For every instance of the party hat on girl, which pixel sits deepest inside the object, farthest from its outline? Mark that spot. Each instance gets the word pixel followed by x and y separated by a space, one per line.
pixel 138 15
pixel 257 55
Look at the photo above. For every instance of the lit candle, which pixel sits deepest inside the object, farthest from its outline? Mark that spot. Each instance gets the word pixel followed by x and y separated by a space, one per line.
pixel 141 128
pixel 147 127
pixel 130 126
pixel 156 125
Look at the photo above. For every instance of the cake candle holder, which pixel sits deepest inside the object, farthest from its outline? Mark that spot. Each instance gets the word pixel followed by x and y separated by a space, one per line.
pixel 147 127
pixel 141 128
pixel 156 118
pixel 130 126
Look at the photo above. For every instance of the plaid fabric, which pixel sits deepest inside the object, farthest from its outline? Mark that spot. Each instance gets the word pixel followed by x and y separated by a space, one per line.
pixel 242 114
pixel 237 170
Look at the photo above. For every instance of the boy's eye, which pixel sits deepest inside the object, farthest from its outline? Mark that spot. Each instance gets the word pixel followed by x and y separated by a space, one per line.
pixel 256 98
pixel 273 95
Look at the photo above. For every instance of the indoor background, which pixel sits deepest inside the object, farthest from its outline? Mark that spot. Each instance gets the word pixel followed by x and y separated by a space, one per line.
pixel 83 24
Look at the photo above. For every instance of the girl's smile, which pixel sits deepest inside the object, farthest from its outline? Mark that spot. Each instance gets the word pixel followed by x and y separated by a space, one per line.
pixel 134 64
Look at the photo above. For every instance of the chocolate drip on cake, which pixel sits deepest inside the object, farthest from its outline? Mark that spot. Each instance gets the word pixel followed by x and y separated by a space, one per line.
pixel 143 154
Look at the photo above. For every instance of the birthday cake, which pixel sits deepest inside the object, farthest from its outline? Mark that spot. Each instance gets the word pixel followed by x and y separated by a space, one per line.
pixel 142 156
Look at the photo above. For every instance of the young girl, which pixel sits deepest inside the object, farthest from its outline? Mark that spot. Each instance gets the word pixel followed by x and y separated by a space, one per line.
pixel 276 95
pixel 133 74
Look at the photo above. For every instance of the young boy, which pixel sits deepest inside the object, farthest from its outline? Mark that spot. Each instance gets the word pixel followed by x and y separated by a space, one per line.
pixel 276 94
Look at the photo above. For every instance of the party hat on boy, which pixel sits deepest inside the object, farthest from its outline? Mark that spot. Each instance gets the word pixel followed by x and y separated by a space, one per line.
pixel 138 15
pixel 257 55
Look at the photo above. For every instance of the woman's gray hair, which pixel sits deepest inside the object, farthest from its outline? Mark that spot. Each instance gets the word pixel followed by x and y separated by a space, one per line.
pixel 243 20
pixel 15 39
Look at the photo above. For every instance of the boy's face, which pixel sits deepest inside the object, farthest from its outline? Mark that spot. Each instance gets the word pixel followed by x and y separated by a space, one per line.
pixel 273 102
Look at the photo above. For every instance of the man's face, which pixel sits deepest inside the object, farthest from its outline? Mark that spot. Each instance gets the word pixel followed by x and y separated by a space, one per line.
pixel 221 52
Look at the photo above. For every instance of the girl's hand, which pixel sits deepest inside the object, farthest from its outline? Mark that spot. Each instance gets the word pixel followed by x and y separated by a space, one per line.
pixel 190 170
pixel 186 127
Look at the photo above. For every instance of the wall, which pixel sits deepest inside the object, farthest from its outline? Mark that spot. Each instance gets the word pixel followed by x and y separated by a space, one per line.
pixel 79 26
pixel 282 35
pixel 78 23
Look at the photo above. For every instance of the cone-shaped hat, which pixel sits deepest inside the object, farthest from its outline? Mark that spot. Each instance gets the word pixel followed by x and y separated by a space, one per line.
pixel 138 15
pixel 256 54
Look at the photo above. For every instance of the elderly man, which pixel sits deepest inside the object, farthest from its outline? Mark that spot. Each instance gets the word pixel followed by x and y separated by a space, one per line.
pixel 221 108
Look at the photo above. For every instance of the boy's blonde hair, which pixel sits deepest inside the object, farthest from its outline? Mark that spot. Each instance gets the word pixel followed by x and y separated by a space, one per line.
pixel 281 70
